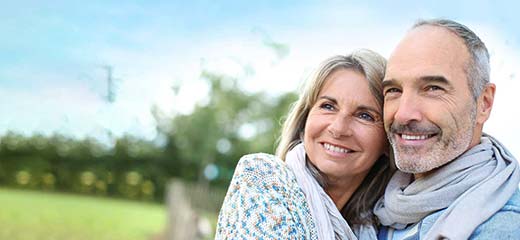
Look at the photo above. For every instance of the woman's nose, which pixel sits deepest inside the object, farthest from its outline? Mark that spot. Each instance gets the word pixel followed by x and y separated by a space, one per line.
pixel 340 127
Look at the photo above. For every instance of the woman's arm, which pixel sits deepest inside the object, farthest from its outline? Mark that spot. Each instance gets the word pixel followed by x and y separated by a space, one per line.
pixel 264 200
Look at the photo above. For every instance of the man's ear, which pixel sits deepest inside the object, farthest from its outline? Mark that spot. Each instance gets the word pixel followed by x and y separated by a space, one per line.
pixel 485 103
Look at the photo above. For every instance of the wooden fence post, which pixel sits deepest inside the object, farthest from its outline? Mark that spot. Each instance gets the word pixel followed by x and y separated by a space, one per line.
pixel 182 219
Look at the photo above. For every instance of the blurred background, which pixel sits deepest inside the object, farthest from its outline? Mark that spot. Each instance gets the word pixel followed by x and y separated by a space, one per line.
pixel 125 120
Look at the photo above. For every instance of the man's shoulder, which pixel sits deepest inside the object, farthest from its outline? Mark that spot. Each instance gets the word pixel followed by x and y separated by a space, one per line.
pixel 504 224
pixel 514 202
pixel 511 208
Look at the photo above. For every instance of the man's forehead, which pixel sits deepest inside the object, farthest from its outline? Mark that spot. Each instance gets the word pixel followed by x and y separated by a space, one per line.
pixel 428 51
pixel 419 70
pixel 429 43
pixel 430 36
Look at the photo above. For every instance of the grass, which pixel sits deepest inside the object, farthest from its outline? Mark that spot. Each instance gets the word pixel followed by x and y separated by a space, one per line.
pixel 35 215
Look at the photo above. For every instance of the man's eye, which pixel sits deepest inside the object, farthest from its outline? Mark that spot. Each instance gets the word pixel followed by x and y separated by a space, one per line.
pixel 366 116
pixel 327 106
pixel 433 88
pixel 391 90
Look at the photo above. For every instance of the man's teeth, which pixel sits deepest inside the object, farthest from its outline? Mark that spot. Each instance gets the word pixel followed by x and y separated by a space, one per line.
pixel 414 137
pixel 335 148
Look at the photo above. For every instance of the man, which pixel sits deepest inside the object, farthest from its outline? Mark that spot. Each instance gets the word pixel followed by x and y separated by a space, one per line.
pixel 454 181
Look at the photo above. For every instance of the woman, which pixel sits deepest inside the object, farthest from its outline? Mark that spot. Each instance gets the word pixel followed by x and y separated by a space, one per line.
pixel 331 164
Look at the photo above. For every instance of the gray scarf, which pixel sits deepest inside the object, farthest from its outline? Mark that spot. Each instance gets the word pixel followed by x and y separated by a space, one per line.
pixel 329 222
pixel 472 188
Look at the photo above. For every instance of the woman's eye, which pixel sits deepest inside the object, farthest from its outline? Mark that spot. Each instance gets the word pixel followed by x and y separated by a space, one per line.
pixel 366 116
pixel 327 106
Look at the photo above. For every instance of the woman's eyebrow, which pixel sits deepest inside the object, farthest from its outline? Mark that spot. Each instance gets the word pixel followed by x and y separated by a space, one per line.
pixel 329 98
pixel 369 108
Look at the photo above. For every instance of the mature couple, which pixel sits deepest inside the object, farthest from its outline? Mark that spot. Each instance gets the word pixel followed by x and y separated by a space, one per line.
pixel 333 176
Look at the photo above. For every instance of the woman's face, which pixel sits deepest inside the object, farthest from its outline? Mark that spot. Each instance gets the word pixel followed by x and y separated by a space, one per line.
pixel 344 134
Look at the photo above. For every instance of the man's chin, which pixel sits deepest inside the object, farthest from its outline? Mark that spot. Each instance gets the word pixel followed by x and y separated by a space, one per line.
pixel 411 167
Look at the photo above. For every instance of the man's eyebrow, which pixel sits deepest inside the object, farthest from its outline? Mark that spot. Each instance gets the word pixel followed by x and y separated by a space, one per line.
pixel 435 79
pixel 388 82
pixel 426 79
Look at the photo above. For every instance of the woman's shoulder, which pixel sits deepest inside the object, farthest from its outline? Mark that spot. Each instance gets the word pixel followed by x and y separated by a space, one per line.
pixel 262 163
pixel 260 158
pixel 263 170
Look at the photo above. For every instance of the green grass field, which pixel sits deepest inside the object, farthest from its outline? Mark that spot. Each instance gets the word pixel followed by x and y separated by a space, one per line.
pixel 35 215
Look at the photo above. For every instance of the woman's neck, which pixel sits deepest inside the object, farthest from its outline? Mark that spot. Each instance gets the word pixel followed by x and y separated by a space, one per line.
pixel 340 190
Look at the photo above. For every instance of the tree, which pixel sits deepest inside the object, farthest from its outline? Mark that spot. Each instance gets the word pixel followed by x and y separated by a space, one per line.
pixel 231 124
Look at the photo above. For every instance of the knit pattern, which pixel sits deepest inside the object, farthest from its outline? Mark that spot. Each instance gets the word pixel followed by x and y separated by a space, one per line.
pixel 264 201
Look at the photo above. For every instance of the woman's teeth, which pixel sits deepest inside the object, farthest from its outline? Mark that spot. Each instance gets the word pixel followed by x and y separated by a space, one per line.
pixel 335 148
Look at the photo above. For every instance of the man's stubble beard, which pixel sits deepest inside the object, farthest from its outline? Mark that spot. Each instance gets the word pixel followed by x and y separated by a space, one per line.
pixel 412 160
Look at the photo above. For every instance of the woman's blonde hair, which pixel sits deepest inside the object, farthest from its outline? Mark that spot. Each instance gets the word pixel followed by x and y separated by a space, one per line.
pixel 358 209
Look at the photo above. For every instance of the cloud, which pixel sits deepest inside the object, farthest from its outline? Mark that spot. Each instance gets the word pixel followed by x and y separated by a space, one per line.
pixel 151 49
pixel 505 60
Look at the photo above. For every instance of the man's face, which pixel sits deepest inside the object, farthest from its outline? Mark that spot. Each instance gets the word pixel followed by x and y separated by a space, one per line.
pixel 429 113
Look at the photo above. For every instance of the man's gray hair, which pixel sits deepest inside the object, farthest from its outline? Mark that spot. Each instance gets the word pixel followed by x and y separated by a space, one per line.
pixel 477 69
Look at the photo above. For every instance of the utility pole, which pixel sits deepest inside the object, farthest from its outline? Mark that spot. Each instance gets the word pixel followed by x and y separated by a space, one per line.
pixel 111 97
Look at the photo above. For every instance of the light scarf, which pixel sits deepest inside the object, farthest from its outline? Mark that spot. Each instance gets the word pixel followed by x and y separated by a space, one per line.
pixel 472 188
pixel 329 222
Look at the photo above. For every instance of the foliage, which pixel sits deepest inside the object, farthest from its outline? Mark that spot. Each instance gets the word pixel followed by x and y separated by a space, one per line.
pixel 83 166
pixel 230 124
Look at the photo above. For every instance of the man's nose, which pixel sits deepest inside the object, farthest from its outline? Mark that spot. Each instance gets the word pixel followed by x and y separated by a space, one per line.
pixel 408 109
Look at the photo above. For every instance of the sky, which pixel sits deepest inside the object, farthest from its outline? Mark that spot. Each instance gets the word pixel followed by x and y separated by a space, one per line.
pixel 54 55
